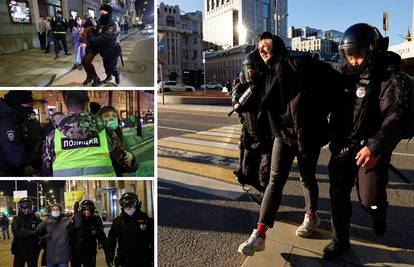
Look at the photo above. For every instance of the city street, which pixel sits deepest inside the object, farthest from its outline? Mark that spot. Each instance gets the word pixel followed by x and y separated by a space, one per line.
pixel 35 68
pixel 198 151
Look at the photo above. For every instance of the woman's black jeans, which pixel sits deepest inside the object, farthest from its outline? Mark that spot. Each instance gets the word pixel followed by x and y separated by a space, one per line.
pixel 281 163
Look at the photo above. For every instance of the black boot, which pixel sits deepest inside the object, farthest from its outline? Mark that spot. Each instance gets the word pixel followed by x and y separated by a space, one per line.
pixel 117 79
pixel 108 78
pixel 88 80
pixel 334 249
pixel 96 82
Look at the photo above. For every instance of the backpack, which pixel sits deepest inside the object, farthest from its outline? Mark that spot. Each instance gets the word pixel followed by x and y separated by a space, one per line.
pixel 405 101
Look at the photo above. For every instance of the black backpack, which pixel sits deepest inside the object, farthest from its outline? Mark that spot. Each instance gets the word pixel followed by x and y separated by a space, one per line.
pixel 405 101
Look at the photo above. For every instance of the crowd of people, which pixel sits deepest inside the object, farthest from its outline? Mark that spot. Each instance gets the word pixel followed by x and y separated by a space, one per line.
pixel 77 143
pixel 90 38
pixel 75 238
pixel 290 107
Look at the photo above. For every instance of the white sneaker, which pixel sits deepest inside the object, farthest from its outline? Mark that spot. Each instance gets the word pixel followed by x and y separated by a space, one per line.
pixel 308 226
pixel 253 244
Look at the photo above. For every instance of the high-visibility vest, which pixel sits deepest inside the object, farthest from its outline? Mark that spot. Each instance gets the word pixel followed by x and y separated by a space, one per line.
pixel 88 157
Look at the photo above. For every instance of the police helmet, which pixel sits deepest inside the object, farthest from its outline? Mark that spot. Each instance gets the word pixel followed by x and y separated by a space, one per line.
pixel 87 205
pixel 25 205
pixel 364 40
pixel 130 199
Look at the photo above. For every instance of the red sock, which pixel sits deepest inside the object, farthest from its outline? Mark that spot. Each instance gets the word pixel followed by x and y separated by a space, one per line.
pixel 311 214
pixel 261 228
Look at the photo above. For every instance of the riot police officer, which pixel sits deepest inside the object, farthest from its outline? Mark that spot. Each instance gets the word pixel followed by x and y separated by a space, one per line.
pixel 254 160
pixel 88 230
pixel 25 246
pixel 367 128
pixel 133 232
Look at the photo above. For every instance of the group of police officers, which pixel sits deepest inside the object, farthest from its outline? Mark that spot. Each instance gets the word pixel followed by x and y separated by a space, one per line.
pixel 292 106
pixel 76 239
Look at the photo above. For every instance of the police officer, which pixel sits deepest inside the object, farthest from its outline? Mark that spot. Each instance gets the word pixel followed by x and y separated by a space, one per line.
pixel 88 230
pixel 81 145
pixel 25 246
pixel 367 128
pixel 14 112
pixel 59 27
pixel 254 168
pixel 108 43
pixel 133 232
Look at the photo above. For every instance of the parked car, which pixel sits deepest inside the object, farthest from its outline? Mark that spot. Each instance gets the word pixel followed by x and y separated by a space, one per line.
pixel 173 86
pixel 212 86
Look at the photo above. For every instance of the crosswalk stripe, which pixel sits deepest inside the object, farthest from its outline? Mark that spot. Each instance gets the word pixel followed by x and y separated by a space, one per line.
pixel 221 130
pixel 233 127
pixel 200 184
pixel 202 143
pixel 205 170
pixel 212 138
pixel 200 149
pixel 219 134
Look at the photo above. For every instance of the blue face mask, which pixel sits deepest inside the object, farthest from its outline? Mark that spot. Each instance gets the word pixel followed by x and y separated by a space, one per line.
pixel 112 124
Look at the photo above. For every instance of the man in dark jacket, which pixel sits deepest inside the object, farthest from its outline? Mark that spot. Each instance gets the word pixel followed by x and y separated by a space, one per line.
pixel 299 95
pixel 81 145
pixel 88 230
pixel 26 245
pixel 57 231
pixel 59 27
pixel 14 112
pixel 133 232
pixel 5 222
pixel 108 43
pixel 368 126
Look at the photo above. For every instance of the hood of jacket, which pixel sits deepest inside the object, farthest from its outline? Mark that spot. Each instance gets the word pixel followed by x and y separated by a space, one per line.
pixel 80 126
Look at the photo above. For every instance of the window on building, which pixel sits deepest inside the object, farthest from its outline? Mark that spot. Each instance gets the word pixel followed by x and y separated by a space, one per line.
pixel 195 54
pixel 195 40
pixel 266 15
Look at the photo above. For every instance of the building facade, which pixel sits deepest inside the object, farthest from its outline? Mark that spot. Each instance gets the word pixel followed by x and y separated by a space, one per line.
pixel 19 19
pixel 311 39
pixel 225 65
pixel 6 203
pixel 230 23
pixel 182 41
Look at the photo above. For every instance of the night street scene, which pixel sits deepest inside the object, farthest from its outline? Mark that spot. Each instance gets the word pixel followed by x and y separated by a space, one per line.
pixel 86 223
pixel 73 133
pixel 285 133
pixel 75 43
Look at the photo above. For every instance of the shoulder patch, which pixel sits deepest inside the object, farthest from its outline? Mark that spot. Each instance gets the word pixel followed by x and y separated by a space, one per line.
pixel 11 134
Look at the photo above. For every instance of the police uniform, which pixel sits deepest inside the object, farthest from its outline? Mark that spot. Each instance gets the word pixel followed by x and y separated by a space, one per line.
pixel 59 27
pixel 134 235
pixel 25 245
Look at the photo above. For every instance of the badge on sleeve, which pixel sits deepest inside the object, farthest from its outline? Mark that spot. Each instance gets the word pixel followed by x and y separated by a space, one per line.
pixel 361 92
pixel 143 226
pixel 11 134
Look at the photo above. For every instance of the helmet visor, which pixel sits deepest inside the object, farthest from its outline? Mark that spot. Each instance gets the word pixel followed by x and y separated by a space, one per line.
pixel 355 58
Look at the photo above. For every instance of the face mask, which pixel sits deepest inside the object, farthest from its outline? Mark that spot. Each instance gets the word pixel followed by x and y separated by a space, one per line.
pixel 112 125
pixel 55 214
pixel 130 212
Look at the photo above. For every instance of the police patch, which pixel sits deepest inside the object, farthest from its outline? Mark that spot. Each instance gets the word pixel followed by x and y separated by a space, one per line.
pixel 73 144
pixel 11 135
pixel 143 226
pixel 361 92
pixel 110 29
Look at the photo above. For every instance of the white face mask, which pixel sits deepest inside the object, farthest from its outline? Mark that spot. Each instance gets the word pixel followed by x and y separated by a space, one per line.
pixel 130 211
pixel 55 214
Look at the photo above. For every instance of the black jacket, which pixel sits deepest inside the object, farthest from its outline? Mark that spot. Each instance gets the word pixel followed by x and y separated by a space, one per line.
pixel 108 34
pixel 59 25
pixel 300 93
pixel 25 242
pixel 381 126
pixel 135 238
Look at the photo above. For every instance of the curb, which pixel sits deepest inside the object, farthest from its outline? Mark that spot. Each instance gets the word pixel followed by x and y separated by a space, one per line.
pixel 194 100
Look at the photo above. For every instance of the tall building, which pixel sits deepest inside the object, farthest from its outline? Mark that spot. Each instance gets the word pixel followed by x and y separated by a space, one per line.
pixel 182 39
pixel 311 39
pixel 230 23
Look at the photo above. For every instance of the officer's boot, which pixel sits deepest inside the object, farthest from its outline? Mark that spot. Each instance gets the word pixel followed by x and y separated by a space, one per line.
pixel 96 82
pixel 117 79
pixel 88 80
pixel 108 78
pixel 379 219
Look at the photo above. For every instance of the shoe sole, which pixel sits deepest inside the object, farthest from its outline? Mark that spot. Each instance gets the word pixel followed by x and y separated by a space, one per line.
pixel 240 250
pixel 308 235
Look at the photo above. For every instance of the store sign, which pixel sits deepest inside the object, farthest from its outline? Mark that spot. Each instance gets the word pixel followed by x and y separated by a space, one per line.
pixel 19 11
pixel 405 50
pixel 72 197
pixel 17 195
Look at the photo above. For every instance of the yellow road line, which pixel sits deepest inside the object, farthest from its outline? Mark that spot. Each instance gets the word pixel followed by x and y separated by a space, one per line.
pixel 219 130
pixel 198 169
pixel 212 138
pixel 201 149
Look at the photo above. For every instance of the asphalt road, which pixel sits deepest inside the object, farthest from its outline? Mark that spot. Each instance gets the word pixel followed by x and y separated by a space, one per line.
pixel 197 228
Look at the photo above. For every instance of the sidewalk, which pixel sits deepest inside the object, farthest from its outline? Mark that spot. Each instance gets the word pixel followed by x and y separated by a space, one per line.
pixel 198 108
pixel 284 248
pixel 34 68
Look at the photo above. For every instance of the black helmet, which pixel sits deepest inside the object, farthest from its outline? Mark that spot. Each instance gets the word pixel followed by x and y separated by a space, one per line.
pixel 87 205
pixel 130 200
pixel 363 40
pixel 25 205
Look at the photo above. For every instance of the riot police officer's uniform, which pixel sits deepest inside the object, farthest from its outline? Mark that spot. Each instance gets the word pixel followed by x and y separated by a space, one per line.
pixel 59 27
pixel 25 245
pixel 369 118
pixel 133 234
